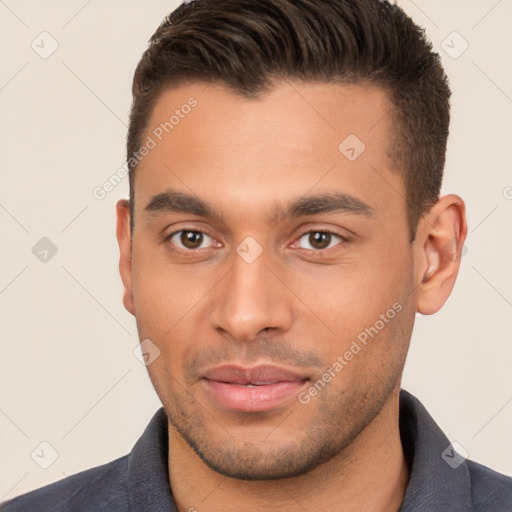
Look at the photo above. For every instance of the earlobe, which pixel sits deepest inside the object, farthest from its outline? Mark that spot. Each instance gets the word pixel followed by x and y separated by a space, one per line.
pixel 125 257
pixel 440 240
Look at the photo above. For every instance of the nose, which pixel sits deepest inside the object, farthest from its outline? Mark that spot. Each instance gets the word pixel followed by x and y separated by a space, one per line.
pixel 251 299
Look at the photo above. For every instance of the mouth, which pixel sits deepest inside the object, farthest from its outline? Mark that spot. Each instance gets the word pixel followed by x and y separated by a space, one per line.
pixel 260 388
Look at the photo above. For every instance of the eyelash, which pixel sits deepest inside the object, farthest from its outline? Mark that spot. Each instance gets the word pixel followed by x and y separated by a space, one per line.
pixel 313 251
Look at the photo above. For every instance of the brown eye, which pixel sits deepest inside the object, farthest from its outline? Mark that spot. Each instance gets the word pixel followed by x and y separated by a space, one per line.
pixel 189 239
pixel 320 240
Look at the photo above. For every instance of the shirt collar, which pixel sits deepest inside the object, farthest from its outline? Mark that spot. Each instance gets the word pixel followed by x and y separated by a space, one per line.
pixel 148 472
pixel 433 483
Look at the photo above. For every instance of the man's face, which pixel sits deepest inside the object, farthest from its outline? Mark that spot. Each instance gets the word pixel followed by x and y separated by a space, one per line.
pixel 256 318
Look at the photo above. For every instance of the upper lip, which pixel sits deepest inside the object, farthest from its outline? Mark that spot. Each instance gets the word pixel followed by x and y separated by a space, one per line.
pixel 261 374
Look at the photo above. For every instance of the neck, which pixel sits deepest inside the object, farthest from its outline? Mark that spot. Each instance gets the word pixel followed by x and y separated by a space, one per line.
pixel 370 474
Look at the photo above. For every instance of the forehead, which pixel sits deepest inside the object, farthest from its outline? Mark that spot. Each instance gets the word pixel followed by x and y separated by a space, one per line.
pixel 212 142
pixel 290 114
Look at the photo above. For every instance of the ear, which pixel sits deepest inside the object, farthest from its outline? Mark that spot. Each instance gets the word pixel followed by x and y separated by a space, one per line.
pixel 438 250
pixel 125 253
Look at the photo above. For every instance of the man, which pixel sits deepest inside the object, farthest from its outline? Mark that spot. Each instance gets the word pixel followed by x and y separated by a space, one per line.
pixel 284 227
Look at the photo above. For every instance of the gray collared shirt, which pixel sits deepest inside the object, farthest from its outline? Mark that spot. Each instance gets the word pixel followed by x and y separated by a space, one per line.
pixel 440 479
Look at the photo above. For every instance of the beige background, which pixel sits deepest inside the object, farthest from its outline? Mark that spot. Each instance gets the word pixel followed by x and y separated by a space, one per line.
pixel 68 373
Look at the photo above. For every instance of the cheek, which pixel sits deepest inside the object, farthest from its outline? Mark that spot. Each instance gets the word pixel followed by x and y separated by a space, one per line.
pixel 163 293
pixel 170 310
pixel 352 295
pixel 361 311
pixel 159 303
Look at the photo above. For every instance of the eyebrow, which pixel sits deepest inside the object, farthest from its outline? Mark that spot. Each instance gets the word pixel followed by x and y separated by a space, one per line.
pixel 173 201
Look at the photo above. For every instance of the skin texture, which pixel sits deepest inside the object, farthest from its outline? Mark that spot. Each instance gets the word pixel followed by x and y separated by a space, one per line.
pixel 292 306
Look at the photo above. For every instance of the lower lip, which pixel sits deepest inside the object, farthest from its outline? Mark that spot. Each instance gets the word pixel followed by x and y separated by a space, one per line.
pixel 255 398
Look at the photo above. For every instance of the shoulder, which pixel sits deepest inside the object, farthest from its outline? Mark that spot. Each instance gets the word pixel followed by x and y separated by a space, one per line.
pixel 99 488
pixel 490 490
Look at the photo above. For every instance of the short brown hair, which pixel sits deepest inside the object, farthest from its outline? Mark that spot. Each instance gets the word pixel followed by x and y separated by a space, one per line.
pixel 248 45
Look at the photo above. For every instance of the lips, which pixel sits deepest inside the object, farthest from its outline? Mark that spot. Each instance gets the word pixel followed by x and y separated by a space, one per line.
pixel 254 389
